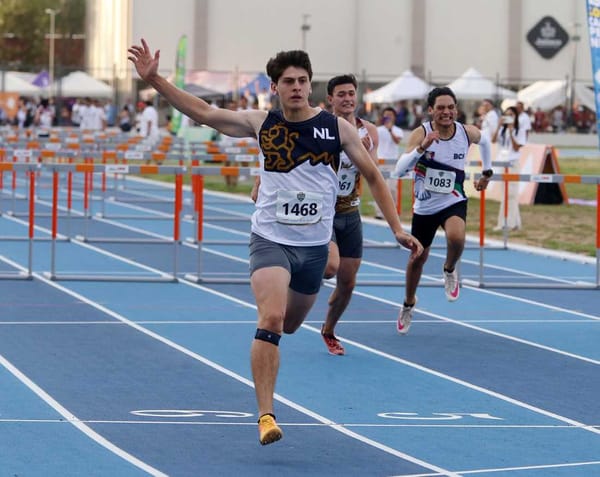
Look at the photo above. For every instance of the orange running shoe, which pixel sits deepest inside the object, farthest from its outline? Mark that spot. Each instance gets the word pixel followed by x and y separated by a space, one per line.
pixel 268 430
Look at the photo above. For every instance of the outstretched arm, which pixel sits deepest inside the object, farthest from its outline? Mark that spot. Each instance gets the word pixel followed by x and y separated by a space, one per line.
pixel 232 123
pixel 417 143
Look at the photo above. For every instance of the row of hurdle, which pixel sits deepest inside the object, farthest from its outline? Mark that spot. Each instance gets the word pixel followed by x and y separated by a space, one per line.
pixel 116 172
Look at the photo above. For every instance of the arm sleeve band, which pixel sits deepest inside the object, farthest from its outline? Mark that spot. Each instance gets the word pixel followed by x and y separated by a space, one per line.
pixel 486 152
pixel 406 162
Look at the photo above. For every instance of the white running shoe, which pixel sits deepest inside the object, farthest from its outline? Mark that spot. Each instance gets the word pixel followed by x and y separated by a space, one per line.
pixel 405 318
pixel 451 285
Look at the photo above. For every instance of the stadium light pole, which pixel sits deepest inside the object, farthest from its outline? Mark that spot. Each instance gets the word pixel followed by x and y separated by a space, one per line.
pixel 52 12
pixel 304 27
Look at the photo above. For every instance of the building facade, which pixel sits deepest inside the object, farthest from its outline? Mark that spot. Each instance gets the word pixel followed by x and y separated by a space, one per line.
pixel 514 42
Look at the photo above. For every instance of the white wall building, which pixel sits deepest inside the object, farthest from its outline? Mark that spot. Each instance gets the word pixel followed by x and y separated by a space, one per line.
pixel 375 39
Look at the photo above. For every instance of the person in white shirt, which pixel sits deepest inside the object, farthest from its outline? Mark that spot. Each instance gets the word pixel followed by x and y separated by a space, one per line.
pixel 149 121
pixel 524 119
pixel 44 115
pixel 295 206
pixel 86 115
pixel 97 116
pixel 437 153
pixel 510 137
pixel 390 137
pixel 489 123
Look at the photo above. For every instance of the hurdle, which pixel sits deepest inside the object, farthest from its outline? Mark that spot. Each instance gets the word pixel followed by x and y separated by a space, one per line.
pixel 123 158
pixel 198 173
pixel 539 178
pixel 388 174
pixel 90 168
pixel 19 155
pixel 31 169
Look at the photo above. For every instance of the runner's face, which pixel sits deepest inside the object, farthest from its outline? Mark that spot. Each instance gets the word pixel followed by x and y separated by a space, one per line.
pixel 293 88
pixel 343 99
pixel 443 111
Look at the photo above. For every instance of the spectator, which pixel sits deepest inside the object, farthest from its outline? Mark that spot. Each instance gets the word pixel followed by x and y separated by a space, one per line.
pixel 148 120
pixel 125 119
pixel 390 137
pixel 558 119
pixel 524 119
pixel 510 137
pixel 540 121
pixel 489 121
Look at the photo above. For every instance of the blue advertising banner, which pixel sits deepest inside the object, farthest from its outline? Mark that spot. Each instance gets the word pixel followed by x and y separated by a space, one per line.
pixel 593 21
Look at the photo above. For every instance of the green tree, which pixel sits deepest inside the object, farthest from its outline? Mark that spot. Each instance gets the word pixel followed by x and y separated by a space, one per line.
pixel 24 25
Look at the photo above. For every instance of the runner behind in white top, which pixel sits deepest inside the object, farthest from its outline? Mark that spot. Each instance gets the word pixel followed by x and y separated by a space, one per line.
pixel 437 151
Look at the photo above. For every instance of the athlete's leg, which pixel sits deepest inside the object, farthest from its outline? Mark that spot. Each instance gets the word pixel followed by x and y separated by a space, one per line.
pixel 270 288
pixel 414 270
pixel 339 299
pixel 455 228
pixel 333 261
pixel 298 306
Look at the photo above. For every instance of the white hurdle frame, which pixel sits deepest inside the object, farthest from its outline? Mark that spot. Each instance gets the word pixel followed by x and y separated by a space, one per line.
pixel 120 169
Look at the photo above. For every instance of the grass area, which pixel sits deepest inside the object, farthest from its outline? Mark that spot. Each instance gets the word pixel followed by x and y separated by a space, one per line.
pixel 567 227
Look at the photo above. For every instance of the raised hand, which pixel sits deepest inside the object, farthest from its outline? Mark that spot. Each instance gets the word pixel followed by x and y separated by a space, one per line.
pixel 145 64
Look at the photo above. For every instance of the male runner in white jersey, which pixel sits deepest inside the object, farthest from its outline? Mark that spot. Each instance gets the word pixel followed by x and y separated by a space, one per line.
pixel 437 151
pixel 345 248
pixel 292 224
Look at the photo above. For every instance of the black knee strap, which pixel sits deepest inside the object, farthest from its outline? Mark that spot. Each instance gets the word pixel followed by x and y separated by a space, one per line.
pixel 268 336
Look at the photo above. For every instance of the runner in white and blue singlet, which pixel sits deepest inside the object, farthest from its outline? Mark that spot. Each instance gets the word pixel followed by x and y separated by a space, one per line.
pixel 295 203
pixel 437 150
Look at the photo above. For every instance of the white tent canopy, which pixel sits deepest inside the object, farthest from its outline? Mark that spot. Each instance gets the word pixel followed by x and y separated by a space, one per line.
pixel 546 95
pixel 472 85
pixel 80 85
pixel 405 86
pixel 12 83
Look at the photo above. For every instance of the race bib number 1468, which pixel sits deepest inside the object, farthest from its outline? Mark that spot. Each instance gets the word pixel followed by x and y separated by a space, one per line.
pixel 299 207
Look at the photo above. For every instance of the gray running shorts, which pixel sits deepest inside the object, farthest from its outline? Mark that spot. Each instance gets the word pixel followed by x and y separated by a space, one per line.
pixel 305 264
pixel 347 234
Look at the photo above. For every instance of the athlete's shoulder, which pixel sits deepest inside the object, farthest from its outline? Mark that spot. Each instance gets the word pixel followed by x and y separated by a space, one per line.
pixel 472 132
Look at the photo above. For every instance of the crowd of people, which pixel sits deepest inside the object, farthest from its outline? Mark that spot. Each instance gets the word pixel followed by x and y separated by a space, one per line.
pixel 89 114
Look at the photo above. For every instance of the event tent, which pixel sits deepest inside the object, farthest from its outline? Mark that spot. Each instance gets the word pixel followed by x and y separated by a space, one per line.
pixel 256 85
pixel 202 92
pixel 405 86
pixel 546 95
pixel 80 85
pixel 12 83
pixel 472 85
pixel 223 84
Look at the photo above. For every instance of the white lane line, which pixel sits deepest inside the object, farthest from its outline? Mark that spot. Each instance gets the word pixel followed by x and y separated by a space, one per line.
pixel 72 419
pixel 228 372
pixel 512 469
pixel 252 423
